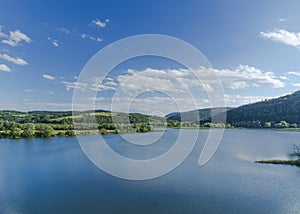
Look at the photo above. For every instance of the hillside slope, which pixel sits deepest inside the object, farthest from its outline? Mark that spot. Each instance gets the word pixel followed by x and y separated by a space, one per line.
pixel 285 108
pixel 193 116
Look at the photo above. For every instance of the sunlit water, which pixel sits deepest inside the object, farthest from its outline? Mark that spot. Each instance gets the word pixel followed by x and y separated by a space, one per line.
pixel 54 176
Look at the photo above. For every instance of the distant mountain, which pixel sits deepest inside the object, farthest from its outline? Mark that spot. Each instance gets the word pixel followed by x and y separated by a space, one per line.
pixel 193 116
pixel 285 108
pixel 171 114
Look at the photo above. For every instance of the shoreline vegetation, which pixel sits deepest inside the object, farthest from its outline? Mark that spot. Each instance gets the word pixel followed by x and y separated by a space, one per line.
pixel 280 113
pixel 293 162
pixel 281 162
pixel 15 124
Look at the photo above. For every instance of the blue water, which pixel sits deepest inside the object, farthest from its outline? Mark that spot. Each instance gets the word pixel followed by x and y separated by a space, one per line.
pixel 54 176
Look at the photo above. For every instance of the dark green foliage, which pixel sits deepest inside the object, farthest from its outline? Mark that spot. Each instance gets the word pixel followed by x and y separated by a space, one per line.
pixel 15 132
pixel 296 150
pixel 70 133
pixel 14 124
pixel 286 108
pixel 197 115
pixel 285 162
pixel 282 112
pixel 281 162
pixel 28 130
pixel 44 130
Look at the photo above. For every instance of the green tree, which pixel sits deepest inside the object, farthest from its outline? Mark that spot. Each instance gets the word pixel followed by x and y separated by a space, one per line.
pixel 282 124
pixel 103 131
pixel 70 133
pixel 29 130
pixel 44 130
pixel 15 132
pixel 267 124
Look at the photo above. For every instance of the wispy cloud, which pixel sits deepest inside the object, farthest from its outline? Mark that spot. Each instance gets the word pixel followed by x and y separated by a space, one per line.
pixel 5 68
pixel 15 38
pixel 96 84
pixel 64 30
pixel 246 76
pixel 49 77
pixel 282 20
pixel 2 35
pixel 282 36
pixel 28 90
pixel 86 36
pixel 55 43
pixel 100 23
pixel 74 85
pixel 237 100
pixel 283 77
pixel 294 73
pixel 17 61
pixel 296 84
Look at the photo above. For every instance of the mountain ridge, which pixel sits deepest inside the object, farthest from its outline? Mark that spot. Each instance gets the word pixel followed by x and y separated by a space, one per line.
pixel 284 108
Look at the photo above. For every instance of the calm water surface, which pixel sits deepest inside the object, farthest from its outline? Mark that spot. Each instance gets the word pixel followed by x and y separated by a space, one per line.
pixel 54 176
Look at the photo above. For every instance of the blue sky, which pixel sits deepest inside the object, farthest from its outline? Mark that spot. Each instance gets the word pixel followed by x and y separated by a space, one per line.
pixel 253 46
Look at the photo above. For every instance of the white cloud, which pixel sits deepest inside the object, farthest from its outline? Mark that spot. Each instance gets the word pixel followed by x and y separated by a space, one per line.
pixel 283 77
pixel 49 77
pixel 15 38
pixel 282 20
pixel 296 84
pixel 5 68
pixel 46 106
pixel 246 76
pixel 51 92
pixel 95 84
pixel 179 80
pixel 283 36
pixel 28 90
pixel 86 36
pixel 294 73
pixel 2 35
pixel 55 43
pixel 178 87
pixel 238 100
pixel 64 30
pixel 96 98
pixel 99 23
pixel 17 61
pixel 74 85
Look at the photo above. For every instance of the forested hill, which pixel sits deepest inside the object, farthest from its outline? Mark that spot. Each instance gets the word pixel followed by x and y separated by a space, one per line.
pixel 285 108
pixel 193 116
pixel 279 112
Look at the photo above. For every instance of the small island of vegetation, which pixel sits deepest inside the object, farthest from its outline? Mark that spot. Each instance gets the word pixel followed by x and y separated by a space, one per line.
pixel 295 162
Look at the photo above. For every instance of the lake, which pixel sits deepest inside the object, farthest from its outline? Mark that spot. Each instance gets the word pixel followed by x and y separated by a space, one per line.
pixel 54 176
